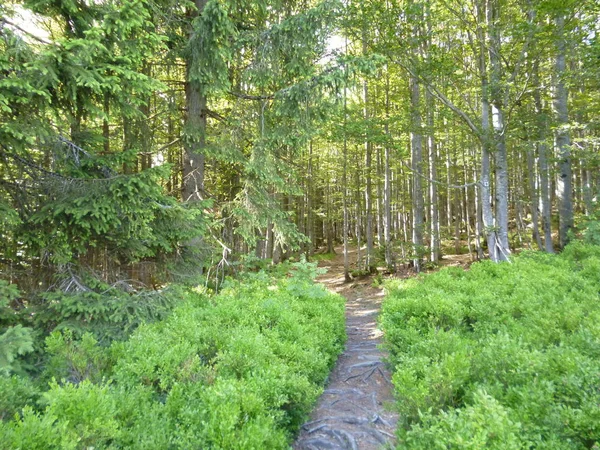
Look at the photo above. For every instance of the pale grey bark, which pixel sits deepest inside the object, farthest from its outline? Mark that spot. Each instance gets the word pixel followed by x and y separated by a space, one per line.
pixel 417 170
pixel 564 186
pixel 500 156
pixel 485 186
pixel 387 188
pixel 434 221
pixel 368 156
pixel 535 198
pixel 542 151
pixel 344 196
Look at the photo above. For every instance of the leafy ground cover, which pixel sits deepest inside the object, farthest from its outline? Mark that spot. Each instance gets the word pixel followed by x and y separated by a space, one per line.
pixel 503 356
pixel 238 370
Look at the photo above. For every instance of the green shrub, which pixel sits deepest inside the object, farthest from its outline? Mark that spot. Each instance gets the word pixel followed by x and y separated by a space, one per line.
pixel 239 370
pixel 15 340
pixel 15 393
pixel 500 356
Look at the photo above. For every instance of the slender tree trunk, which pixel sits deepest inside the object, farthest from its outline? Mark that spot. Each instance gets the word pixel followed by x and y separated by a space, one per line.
pixel 466 203
pixel 448 190
pixel 310 218
pixel 478 218
pixel 542 151
pixel 534 196
pixel 380 238
pixel 500 156
pixel 328 221
pixel 485 186
pixel 417 171
pixel 562 139
pixel 587 192
pixel 434 220
pixel 368 187
pixel 387 192
pixel 345 191
pixel 358 219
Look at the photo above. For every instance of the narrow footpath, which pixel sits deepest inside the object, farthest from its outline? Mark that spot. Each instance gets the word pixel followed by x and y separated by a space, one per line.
pixel 355 410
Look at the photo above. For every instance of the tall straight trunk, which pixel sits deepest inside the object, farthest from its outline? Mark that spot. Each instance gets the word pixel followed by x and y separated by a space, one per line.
pixel 387 189
pixel 345 192
pixel 416 149
pixel 195 128
pixel 368 158
pixel 486 205
pixel 534 196
pixel 310 221
pixel 466 204
pixel 587 192
pixel 328 222
pixel 270 242
pixel 564 186
pixel 380 238
pixel 500 156
pixel 434 220
pixel 542 152
pixel 478 218
pixel 358 219
pixel 448 190
pixel 417 171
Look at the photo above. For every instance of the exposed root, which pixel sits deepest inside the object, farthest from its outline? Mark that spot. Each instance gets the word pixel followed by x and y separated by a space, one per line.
pixel 348 438
pixel 365 364
pixel 378 418
pixel 317 428
pixel 367 374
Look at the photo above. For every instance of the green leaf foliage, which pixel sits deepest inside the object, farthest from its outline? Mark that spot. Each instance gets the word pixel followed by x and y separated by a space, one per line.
pixel 239 370
pixel 502 356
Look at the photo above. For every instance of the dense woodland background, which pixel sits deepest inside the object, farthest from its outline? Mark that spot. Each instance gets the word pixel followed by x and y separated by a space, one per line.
pixel 151 148
pixel 135 130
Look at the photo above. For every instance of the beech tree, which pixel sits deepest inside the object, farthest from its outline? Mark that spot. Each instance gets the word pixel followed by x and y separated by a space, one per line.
pixel 435 127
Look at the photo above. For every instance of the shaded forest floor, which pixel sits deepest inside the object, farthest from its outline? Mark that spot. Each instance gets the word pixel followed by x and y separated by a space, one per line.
pixel 355 410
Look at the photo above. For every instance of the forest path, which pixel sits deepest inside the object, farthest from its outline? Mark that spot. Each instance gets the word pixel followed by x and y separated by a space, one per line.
pixel 354 411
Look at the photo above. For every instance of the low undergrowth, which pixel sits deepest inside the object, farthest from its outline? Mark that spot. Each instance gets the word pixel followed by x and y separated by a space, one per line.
pixel 503 356
pixel 238 370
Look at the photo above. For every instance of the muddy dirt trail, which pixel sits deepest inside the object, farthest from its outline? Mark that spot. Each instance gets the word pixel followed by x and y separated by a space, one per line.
pixel 355 410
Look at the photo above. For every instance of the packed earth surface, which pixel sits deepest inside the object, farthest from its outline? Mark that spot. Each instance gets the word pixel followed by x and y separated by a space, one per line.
pixel 355 410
